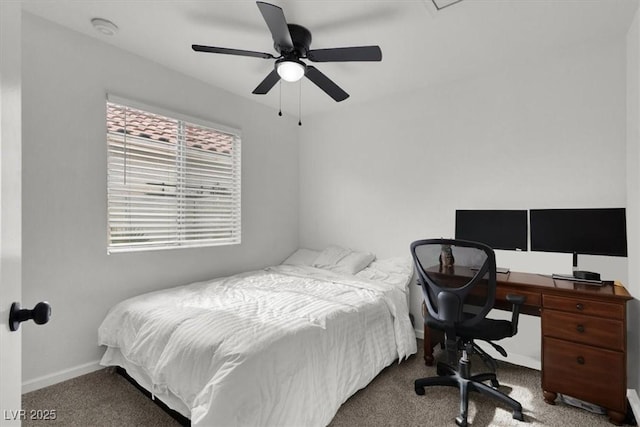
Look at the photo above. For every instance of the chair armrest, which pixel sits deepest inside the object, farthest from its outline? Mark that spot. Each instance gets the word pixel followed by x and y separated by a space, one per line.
pixel 517 301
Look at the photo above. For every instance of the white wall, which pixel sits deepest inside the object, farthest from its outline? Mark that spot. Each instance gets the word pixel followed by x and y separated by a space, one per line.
pixel 543 134
pixel 65 78
pixel 633 198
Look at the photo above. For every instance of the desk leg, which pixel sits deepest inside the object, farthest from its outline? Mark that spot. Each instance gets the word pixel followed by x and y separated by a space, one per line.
pixel 428 344
pixel 549 397
pixel 428 347
pixel 616 418
pixel 431 339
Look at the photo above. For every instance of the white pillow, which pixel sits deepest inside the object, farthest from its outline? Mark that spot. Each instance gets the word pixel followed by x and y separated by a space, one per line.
pixel 302 257
pixel 395 271
pixel 331 256
pixel 353 263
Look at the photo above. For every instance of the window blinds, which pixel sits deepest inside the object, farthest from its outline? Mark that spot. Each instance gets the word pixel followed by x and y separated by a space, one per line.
pixel 171 183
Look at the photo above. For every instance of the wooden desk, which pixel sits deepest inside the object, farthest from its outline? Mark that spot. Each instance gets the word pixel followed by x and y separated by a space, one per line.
pixel 584 337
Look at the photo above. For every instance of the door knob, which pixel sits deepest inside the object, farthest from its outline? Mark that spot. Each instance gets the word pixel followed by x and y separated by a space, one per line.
pixel 40 314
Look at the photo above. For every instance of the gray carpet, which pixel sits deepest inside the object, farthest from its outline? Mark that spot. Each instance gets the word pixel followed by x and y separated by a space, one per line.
pixel 103 398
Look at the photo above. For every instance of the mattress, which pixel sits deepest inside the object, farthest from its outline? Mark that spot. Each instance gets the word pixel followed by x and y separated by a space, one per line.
pixel 284 346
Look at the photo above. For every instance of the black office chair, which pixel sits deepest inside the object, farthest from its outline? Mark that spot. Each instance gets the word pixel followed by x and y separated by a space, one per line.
pixel 458 280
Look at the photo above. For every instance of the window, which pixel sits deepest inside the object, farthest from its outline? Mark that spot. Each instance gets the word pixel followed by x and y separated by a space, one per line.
pixel 171 182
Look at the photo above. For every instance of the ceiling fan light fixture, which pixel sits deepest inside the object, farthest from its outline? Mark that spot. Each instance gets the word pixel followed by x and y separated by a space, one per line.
pixel 290 70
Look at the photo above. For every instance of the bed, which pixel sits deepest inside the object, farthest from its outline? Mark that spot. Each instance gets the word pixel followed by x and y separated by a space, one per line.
pixel 282 346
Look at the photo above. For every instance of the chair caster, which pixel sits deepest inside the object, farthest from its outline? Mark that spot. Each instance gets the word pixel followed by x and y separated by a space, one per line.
pixel 419 390
pixel 461 422
pixel 495 384
pixel 517 415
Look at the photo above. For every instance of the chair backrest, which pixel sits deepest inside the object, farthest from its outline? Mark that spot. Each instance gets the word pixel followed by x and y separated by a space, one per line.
pixel 458 279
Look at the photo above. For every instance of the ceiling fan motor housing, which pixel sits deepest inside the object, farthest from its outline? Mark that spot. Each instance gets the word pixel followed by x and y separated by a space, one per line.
pixel 301 38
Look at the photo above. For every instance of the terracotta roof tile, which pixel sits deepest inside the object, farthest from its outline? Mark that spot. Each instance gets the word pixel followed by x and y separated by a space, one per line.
pixel 159 128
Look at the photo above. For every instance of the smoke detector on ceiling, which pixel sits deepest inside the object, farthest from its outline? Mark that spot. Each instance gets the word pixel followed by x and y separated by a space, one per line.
pixel 104 26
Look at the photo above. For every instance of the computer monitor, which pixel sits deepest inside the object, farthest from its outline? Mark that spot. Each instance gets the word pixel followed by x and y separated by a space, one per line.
pixel 581 231
pixel 499 229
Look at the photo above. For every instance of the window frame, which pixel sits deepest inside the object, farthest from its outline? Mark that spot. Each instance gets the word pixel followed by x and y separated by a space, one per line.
pixel 236 166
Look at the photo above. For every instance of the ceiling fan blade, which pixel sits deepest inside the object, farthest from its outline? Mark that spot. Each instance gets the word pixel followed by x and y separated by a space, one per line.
pixel 326 84
pixel 274 17
pixel 268 82
pixel 344 54
pixel 212 49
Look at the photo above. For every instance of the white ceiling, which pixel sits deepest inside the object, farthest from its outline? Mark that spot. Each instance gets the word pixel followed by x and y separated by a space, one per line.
pixel 420 45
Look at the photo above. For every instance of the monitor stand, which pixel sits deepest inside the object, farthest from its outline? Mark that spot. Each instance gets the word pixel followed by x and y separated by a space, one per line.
pixel 586 275
pixel 583 274
pixel 580 276
pixel 571 278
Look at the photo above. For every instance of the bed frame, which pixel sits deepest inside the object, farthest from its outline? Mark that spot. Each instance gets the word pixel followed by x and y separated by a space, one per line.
pixel 184 421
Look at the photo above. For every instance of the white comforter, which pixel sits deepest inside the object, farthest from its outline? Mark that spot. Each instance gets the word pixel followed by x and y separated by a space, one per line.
pixel 285 346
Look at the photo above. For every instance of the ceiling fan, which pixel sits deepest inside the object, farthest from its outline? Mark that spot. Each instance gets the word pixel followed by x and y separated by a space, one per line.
pixel 292 42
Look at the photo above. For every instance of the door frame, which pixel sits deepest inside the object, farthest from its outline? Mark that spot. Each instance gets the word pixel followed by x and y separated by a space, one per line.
pixel 11 412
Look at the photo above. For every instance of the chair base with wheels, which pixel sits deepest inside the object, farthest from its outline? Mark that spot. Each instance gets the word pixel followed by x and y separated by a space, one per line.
pixel 462 379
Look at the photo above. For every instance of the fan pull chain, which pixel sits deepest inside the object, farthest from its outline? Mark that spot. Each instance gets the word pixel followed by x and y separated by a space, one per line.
pixel 280 105
pixel 300 103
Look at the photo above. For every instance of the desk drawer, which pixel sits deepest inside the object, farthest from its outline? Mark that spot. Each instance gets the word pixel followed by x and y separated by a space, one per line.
pixel 584 306
pixel 591 374
pixel 607 333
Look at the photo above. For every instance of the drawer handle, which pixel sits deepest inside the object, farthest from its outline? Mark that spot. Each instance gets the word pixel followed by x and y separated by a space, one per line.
pixel 580 328
pixel 580 307
pixel 580 360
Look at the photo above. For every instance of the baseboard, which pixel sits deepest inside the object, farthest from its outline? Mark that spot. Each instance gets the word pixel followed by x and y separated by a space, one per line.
pixel 520 360
pixel 58 377
pixel 634 402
